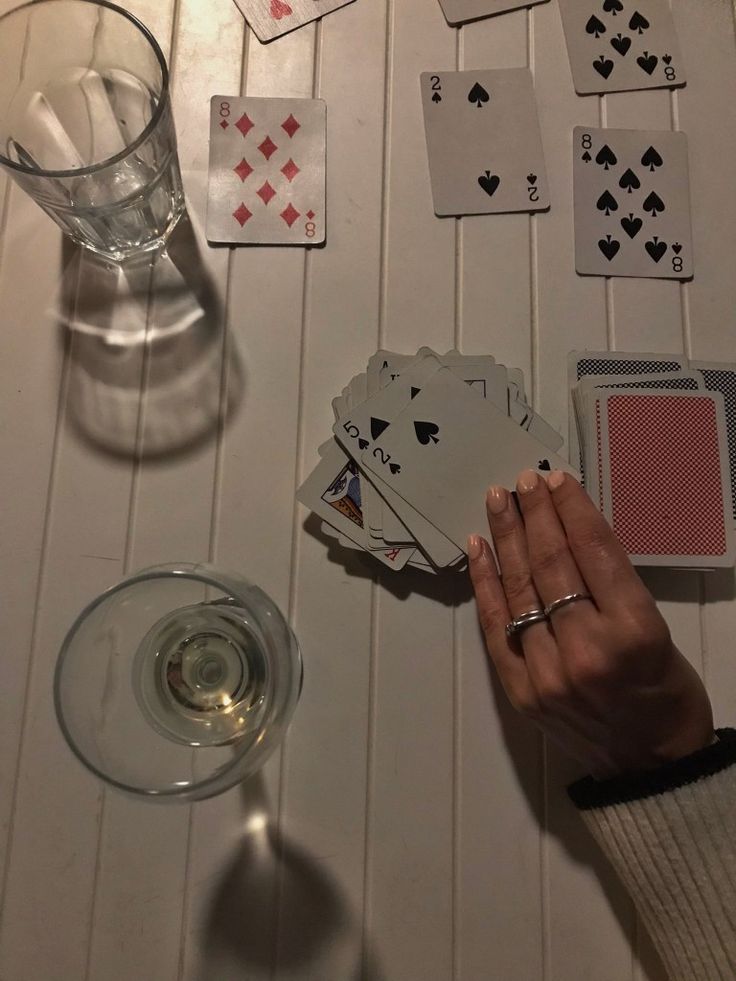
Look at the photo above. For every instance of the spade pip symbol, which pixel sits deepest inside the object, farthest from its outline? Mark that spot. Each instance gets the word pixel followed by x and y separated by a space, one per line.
pixel 426 432
pixel 652 159
pixel 436 98
pixel 653 204
pixel 606 158
pixel 607 203
pixel 378 426
pixel 478 95
pixel 595 27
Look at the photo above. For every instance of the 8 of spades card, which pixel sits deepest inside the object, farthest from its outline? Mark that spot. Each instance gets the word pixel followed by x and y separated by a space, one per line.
pixel 484 142
pixel 632 203
pixel 621 45
pixel 267 171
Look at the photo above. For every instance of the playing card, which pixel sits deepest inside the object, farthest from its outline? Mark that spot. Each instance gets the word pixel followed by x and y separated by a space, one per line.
pixel 433 543
pixel 267 171
pixel 582 363
pixel 272 18
pixel 618 45
pixel 383 364
pixel 683 381
pixel 364 423
pixel 540 429
pixel 586 399
pixel 371 504
pixel 345 542
pixel 461 11
pixel 632 203
pixel 484 142
pixel 404 376
pixel 367 421
pixel 441 453
pixel 333 492
pixel 722 378
pixel 339 406
pixel 516 377
pixel 664 474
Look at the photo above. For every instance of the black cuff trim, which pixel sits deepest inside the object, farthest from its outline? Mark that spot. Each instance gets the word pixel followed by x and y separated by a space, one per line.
pixel 590 793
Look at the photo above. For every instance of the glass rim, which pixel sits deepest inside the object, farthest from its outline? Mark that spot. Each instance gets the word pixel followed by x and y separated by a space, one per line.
pixel 143 135
pixel 223 779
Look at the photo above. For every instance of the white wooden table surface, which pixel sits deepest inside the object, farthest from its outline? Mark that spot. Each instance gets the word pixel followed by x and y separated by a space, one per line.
pixel 426 832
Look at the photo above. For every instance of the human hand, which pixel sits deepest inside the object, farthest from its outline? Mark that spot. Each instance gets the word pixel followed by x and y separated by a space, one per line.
pixel 601 677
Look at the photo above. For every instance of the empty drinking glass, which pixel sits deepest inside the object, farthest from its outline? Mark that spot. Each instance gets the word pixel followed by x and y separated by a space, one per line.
pixel 178 682
pixel 86 125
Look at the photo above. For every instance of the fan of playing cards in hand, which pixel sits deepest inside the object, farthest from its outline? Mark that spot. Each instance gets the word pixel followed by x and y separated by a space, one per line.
pixel 417 440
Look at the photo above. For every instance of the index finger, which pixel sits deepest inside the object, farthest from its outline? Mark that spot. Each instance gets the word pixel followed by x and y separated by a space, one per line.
pixel 602 560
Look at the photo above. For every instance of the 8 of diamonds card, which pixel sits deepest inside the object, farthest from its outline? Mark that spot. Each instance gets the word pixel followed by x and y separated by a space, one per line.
pixel 267 171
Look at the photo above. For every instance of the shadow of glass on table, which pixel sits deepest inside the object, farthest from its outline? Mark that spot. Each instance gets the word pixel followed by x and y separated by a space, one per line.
pixel 153 370
pixel 276 910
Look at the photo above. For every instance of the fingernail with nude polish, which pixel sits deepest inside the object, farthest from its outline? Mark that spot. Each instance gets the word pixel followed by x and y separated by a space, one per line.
pixel 497 500
pixel 556 479
pixel 475 547
pixel 527 481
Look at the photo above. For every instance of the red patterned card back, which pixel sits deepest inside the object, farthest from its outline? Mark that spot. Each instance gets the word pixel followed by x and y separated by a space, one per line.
pixel 666 475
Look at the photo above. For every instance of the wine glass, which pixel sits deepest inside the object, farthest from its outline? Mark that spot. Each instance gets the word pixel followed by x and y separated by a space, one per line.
pixel 178 682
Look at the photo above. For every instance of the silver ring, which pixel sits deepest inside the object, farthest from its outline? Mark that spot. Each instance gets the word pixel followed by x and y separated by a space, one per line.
pixel 524 621
pixel 566 601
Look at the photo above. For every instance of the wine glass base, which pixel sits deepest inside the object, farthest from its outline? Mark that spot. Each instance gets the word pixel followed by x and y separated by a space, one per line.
pixel 201 675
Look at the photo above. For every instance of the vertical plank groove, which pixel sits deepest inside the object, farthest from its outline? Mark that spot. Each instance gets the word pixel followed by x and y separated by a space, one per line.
pixel 455 911
pixel 40 583
pixel 385 177
pixel 127 554
pixel 366 967
pixel 295 538
pixel 294 572
pixel 545 897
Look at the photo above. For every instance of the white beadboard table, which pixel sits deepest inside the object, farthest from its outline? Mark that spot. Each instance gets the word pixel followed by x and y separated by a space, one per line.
pixel 425 831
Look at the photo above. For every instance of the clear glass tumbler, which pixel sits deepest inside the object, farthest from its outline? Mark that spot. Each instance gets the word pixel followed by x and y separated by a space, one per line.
pixel 86 125
pixel 177 683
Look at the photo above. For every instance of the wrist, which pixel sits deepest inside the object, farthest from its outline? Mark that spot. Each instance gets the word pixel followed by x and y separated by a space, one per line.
pixel 591 793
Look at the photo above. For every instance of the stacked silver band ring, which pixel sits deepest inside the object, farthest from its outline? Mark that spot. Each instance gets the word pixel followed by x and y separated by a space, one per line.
pixel 539 616
pixel 565 601
pixel 524 621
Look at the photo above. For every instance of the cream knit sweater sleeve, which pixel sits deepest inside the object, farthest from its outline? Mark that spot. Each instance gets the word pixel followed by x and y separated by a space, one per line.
pixel 671 836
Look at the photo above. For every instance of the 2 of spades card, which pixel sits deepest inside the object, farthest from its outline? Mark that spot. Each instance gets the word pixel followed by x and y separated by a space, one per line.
pixel 484 142
pixel 441 453
pixel 621 45
pixel 267 171
pixel 632 203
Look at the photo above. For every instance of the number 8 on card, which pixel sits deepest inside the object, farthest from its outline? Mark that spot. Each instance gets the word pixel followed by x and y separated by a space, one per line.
pixel 267 171
pixel 632 203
